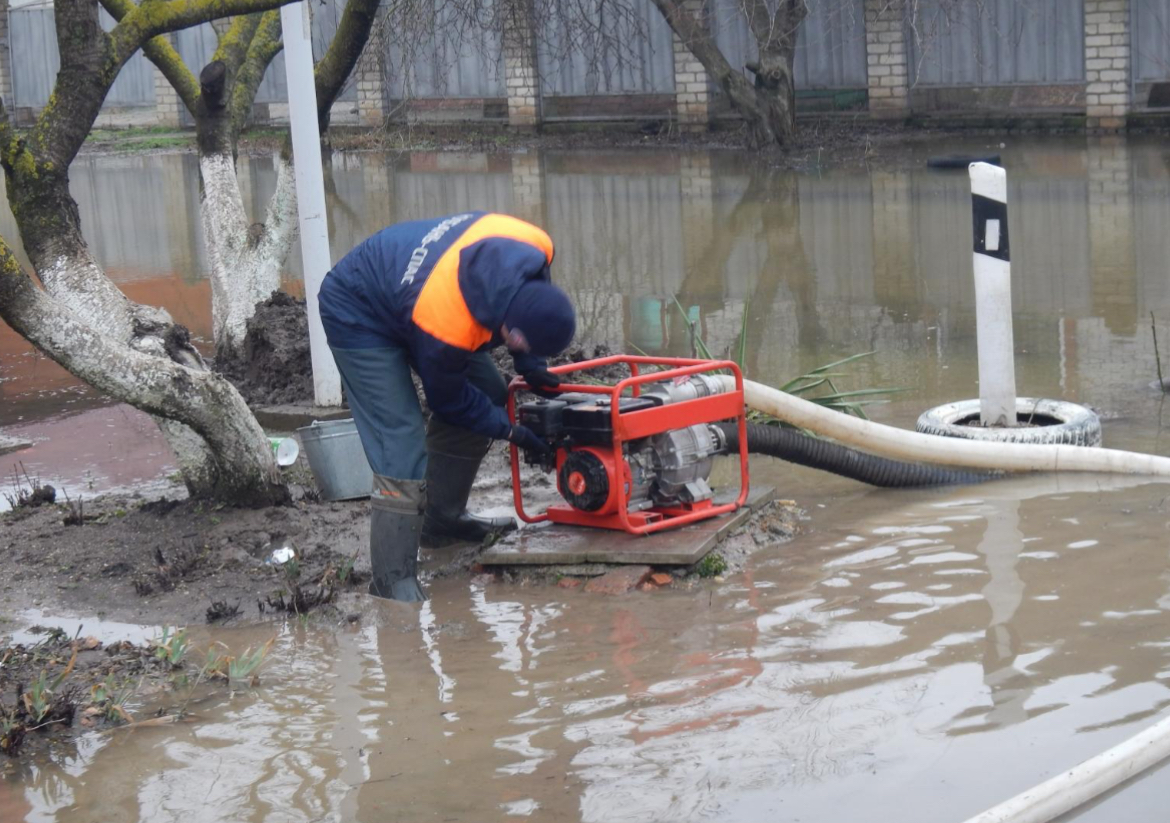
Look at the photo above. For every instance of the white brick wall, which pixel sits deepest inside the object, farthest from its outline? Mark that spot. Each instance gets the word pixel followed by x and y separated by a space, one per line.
pixel 885 50
pixel 371 82
pixel 1107 63
pixel 168 108
pixel 691 88
pixel 521 78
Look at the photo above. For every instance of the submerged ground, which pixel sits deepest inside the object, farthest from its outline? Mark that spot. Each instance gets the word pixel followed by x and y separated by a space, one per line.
pixel 908 655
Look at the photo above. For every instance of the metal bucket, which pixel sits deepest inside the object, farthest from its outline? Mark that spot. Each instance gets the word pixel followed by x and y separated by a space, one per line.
pixel 337 459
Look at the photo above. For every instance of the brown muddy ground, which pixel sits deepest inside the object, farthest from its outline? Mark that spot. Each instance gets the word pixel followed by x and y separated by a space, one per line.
pixel 183 562
pixel 839 139
pixel 58 685
pixel 178 562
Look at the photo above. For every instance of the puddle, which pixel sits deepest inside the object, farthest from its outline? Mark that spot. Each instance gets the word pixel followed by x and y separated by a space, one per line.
pixel 106 631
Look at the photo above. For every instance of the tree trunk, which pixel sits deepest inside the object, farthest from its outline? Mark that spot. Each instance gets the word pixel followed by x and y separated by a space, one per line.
pixel 768 106
pixel 239 465
pixel 81 319
pixel 247 258
pixel 246 261
pixel 86 324
pixel 775 91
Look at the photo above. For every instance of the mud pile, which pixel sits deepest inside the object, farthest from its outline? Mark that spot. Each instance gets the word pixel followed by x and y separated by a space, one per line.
pixel 274 365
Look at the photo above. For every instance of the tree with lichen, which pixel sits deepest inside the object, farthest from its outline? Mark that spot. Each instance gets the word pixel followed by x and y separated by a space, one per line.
pixel 76 315
pixel 247 257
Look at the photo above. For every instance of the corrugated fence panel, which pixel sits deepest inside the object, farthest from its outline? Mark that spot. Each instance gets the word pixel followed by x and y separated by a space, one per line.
pixel 1151 39
pixel 997 42
pixel 35 62
pixel 830 46
pixel 456 59
pixel 621 55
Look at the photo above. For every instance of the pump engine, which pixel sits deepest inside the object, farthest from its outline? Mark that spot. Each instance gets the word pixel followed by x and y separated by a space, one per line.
pixel 655 468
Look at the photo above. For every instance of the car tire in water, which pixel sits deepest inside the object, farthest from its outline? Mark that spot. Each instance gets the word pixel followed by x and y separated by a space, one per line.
pixel 1054 422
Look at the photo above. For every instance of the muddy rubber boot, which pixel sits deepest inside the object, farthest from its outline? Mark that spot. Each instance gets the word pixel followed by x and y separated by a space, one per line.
pixel 453 459
pixel 447 521
pixel 396 515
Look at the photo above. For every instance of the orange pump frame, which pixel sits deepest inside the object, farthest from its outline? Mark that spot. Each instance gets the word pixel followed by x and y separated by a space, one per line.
pixel 635 425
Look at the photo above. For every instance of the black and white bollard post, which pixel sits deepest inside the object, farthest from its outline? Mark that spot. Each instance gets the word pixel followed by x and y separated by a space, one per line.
pixel 993 296
pixel 995 416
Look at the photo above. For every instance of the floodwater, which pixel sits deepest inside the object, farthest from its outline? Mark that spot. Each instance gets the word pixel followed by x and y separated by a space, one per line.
pixel 912 656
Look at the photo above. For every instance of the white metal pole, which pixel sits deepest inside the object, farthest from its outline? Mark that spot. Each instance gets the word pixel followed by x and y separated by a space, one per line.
pixel 314 226
pixel 993 296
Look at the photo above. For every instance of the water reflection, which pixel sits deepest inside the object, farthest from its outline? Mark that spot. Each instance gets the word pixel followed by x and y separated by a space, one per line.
pixel 827 261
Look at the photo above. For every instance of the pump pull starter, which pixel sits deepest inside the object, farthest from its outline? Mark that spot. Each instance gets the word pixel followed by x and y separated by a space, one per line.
pixel 637 455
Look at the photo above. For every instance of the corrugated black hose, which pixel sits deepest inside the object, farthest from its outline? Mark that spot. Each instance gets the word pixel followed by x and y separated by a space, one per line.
pixel 795 447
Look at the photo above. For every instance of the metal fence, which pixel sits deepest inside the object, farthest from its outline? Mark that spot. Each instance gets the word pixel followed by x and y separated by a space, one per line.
pixel 997 42
pixel 35 62
pixel 443 54
pixel 830 46
pixel 1150 25
pixel 616 53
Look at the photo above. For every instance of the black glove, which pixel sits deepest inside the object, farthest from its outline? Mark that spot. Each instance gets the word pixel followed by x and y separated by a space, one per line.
pixel 540 380
pixel 526 439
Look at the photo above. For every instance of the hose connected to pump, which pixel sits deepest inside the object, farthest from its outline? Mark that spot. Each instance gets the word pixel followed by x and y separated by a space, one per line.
pixel 795 447
pixel 887 441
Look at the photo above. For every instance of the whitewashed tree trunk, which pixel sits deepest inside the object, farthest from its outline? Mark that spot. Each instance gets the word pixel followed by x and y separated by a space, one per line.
pixel 78 289
pixel 238 461
pixel 246 260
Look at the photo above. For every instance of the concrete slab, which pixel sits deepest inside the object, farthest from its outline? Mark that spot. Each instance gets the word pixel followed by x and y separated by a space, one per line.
pixel 13 444
pixel 291 416
pixel 550 544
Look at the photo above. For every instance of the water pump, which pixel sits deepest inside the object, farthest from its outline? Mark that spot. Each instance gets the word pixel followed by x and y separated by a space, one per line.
pixel 636 455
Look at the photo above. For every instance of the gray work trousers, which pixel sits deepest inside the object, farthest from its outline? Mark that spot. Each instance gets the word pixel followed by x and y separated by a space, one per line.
pixel 389 419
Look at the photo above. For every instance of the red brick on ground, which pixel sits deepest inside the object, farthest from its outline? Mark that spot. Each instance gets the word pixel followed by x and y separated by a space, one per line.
pixel 619 581
pixel 570 582
pixel 661 579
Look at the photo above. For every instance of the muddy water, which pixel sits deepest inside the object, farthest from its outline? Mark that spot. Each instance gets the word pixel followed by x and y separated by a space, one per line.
pixel 911 657
pixel 824 262
pixel 915 658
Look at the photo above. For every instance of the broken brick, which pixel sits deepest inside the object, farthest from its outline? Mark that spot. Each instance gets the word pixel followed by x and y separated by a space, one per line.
pixel 661 579
pixel 570 582
pixel 619 581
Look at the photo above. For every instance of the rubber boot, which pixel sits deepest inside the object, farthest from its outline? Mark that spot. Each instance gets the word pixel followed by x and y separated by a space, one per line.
pixel 453 459
pixel 396 515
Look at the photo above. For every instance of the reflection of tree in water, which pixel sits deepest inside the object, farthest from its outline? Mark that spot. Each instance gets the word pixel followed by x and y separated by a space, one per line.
pixel 1106 619
pixel 767 214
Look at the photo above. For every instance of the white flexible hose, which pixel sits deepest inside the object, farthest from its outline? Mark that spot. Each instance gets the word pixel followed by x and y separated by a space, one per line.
pixel 1082 783
pixel 900 444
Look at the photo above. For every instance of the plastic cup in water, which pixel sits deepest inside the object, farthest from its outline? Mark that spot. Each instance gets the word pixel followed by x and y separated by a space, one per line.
pixel 285 449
